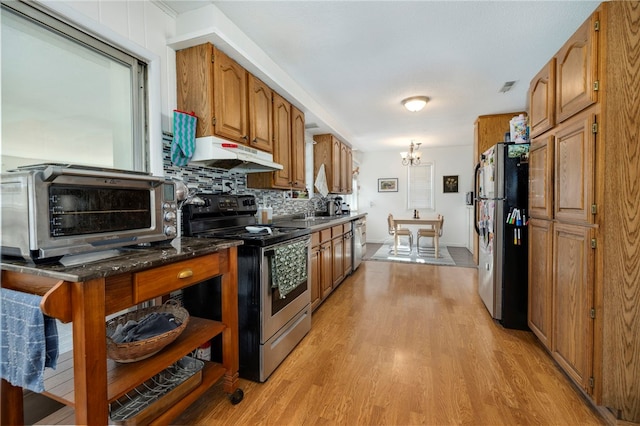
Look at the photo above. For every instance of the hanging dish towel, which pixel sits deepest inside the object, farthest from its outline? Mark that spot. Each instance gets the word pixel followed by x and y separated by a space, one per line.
pixel 289 267
pixel 29 340
pixel 321 181
pixel 184 137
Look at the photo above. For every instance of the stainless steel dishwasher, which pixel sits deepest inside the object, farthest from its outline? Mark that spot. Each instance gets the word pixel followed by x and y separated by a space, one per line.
pixel 359 241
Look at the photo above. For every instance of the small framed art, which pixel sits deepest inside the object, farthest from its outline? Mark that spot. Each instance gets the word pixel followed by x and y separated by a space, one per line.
pixel 450 183
pixel 388 185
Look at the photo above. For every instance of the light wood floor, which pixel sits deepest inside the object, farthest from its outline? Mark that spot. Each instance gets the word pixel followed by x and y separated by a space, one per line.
pixel 405 344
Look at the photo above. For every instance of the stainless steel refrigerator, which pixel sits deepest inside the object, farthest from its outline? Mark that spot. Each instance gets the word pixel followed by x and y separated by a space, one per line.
pixel 501 185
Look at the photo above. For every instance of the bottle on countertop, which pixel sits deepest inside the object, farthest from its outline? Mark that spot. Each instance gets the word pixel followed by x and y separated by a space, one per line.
pixel 269 211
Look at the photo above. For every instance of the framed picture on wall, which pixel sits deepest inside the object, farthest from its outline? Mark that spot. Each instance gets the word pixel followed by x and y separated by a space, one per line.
pixel 450 183
pixel 388 185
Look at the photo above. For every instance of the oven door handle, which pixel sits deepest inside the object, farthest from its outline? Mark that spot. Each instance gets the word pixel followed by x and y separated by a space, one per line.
pixel 51 173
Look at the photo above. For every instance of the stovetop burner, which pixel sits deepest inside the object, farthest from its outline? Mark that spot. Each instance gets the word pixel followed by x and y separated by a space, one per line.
pixel 228 216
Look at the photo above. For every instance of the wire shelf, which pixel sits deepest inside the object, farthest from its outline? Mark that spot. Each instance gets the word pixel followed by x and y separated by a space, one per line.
pixel 149 392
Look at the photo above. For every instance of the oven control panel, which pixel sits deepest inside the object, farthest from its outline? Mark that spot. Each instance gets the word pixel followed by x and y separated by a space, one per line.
pixel 215 205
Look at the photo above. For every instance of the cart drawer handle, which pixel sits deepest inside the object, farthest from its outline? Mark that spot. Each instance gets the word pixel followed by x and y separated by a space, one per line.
pixel 185 274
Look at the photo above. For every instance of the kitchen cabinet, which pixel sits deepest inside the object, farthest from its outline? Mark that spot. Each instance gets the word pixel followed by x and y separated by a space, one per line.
pixel 288 149
pixel 576 76
pixel 337 158
pixel 573 268
pixel 326 263
pixel 229 102
pixel 260 114
pixel 575 143
pixel 347 245
pixel 541 164
pixel 337 247
pixel 540 297
pixel 316 276
pixel 86 295
pixel 542 101
pixel 595 337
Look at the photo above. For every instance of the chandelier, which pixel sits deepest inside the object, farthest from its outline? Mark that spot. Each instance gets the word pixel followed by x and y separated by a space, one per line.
pixel 411 158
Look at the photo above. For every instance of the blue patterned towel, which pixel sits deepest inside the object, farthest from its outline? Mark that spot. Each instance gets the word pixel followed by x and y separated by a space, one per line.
pixel 28 340
pixel 184 137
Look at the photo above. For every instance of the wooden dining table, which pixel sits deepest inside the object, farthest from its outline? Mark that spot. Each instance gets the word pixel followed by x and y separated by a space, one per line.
pixel 433 222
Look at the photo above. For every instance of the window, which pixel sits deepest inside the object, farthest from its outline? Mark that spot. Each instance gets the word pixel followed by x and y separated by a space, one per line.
pixel 420 187
pixel 68 97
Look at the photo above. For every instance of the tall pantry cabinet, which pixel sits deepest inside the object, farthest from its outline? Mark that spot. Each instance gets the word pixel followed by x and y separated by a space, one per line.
pixel 584 204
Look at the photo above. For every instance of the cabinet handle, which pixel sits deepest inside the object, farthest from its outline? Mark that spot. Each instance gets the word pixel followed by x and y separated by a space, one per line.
pixel 255 140
pixel 185 273
pixel 245 137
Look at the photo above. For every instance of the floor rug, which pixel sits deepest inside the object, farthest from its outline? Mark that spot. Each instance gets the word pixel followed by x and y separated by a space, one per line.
pixel 427 255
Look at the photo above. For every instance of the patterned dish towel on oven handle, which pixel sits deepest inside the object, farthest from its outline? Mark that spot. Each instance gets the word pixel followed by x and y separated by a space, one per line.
pixel 184 137
pixel 289 266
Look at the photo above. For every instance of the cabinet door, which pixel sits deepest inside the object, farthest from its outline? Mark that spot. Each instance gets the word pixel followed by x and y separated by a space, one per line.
pixel 260 114
pixel 347 257
pixel 346 167
pixel 349 171
pixel 315 277
pixel 337 246
pixel 326 268
pixel 194 74
pixel 297 149
pixel 542 100
pixel 541 279
pixel 576 71
pixel 335 184
pixel 574 169
pixel 282 140
pixel 573 270
pixel 230 98
pixel 541 177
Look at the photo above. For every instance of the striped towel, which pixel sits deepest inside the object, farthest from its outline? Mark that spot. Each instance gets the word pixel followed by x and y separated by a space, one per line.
pixel 28 340
pixel 184 137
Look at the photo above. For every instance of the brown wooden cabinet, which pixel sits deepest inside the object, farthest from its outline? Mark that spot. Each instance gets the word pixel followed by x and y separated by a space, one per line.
pixel 573 271
pixel 316 271
pixel 541 164
pixel 595 300
pixel 260 114
pixel 288 149
pixel 326 263
pixel 489 130
pixel 347 246
pixel 229 101
pixel 575 143
pixel 337 158
pixel 540 306
pixel 337 247
pixel 542 100
pixel 576 76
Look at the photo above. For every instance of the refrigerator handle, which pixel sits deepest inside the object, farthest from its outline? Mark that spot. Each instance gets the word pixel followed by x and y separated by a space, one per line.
pixel 475 200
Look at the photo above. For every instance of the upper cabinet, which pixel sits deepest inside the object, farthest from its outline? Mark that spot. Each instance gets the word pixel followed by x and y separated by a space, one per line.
pixel 489 130
pixel 260 114
pixel 337 158
pixel 542 100
pixel 576 70
pixel 228 101
pixel 288 149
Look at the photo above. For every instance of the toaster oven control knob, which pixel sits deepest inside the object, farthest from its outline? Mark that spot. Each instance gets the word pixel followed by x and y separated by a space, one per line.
pixel 170 230
pixel 169 216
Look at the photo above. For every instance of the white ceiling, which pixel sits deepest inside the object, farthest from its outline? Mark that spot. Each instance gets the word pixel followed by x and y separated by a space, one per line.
pixel 359 59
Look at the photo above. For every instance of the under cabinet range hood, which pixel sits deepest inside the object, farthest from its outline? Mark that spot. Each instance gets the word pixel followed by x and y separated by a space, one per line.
pixel 212 151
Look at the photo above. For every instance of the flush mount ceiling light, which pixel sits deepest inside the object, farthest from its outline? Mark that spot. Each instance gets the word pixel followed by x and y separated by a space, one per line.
pixel 415 103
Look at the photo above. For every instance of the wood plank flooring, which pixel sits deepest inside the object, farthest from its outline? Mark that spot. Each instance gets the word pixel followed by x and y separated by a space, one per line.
pixel 405 344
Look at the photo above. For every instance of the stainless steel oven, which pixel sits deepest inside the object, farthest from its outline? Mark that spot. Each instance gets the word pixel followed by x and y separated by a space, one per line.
pixel 270 325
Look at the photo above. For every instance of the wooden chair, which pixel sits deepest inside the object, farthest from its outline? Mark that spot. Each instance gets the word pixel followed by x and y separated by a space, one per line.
pixel 434 232
pixel 397 233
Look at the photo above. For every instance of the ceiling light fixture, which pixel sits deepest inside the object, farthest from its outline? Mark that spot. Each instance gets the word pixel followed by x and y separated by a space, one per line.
pixel 411 158
pixel 415 103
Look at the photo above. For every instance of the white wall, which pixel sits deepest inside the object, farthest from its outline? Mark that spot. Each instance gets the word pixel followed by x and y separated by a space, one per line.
pixel 387 164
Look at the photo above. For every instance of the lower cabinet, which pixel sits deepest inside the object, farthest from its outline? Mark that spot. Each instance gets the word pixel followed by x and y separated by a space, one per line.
pixel 573 269
pixel 541 279
pixel 331 260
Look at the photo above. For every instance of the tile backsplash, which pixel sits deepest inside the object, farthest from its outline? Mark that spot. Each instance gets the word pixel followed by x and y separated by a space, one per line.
pixel 211 180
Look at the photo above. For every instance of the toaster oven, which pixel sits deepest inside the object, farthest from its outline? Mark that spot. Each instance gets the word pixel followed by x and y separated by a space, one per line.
pixel 52 210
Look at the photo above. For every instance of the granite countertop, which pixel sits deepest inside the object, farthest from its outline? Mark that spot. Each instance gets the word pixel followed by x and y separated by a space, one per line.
pixel 318 222
pixel 128 259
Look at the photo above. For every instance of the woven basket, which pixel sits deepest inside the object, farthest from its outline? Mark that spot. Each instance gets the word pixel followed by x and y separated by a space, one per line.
pixel 141 349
